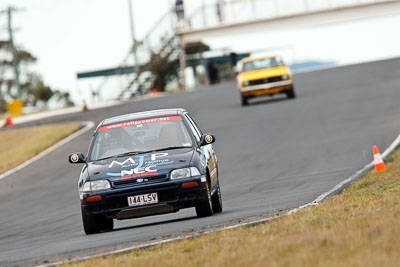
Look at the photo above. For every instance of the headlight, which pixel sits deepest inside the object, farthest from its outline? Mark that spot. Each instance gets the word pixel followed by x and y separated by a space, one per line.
pixel 246 83
pixel 184 173
pixel 285 77
pixel 96 186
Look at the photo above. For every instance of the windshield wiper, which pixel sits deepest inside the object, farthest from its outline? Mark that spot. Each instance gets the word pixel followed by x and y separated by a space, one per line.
pixel 130 153
pixel 124 154
pixel 170 147
pixel 104 158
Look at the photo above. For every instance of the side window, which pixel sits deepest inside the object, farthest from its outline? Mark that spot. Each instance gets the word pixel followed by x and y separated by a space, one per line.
pixel 193 128
pixel 279 61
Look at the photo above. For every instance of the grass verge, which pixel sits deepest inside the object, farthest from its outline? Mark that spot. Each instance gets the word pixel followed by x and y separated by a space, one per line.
pixel 19 145
pixel 359 227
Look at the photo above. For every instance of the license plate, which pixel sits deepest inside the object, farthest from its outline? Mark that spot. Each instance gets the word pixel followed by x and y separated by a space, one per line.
pixel 144 199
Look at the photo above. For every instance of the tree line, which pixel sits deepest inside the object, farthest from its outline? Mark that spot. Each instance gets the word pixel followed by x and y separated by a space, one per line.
pixel 33 90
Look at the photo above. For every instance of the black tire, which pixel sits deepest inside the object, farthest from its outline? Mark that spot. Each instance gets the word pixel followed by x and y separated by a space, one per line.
pixel 106 224
pixel 204 206
pixel 244 100
pixel 217 200
pixel 90 223
pixel 291 94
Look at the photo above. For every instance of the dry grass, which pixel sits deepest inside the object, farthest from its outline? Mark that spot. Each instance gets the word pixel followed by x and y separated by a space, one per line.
pixel 360 227
pixel 18 145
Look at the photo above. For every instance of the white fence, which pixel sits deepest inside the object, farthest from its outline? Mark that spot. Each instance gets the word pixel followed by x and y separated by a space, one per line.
pixel 214 13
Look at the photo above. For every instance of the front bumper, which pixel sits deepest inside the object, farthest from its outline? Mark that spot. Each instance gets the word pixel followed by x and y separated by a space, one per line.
pixel 267 88
pixel 171 198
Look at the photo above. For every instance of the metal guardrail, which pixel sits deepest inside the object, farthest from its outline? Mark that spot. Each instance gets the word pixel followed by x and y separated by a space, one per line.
pixel 229 12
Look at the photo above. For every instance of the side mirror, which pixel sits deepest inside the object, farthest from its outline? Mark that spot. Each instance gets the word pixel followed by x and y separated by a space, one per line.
pixel 76 158
pixel 207 139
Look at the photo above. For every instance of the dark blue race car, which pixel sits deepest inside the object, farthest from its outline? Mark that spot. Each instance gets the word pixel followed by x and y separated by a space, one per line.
pixel 147 163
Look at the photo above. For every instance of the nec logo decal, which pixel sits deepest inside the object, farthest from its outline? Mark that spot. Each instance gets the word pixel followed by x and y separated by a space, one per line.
pixel 138 172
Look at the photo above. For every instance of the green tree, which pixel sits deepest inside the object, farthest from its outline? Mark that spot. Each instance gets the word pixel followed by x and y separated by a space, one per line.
pixel 37 90
pixel 165 70
pixel 22 58
pixel 3 107
pixel 64 97
pixel 165 73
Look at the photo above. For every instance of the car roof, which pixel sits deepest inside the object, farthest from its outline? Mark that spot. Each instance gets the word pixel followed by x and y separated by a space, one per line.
pixel 143 115
pixel 247 59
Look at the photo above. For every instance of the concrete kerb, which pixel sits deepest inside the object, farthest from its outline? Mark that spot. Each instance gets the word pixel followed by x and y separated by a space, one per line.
pixel 335 190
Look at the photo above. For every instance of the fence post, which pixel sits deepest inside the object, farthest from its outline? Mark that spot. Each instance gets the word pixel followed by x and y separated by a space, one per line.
pixel 182 63
pixel 276 7
pixel 306 6
pixel 203 11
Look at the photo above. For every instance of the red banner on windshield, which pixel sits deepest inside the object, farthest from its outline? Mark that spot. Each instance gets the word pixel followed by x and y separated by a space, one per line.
pixel 138 122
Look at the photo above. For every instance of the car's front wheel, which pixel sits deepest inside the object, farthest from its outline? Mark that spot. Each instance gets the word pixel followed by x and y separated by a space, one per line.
pixel 95 224
pixel 106 224
pixel 204 206
pixel 291 94
pixel 90 225
pixel 217 199
pixel 244 100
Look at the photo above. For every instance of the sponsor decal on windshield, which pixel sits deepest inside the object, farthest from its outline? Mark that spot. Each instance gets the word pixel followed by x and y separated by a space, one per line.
pixel 138 122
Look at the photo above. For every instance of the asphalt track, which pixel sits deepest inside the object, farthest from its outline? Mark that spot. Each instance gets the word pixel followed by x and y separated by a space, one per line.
pixel 275 154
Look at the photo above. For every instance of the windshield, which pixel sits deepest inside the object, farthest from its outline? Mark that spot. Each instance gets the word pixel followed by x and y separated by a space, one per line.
pixel 264 63
pixel 140 136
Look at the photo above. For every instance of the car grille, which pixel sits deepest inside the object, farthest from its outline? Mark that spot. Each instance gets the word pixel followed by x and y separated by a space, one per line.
pixel 129 182
pixel 122 201
pixel 266 80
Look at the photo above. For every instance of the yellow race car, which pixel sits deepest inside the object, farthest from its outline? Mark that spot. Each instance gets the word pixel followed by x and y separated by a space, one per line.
pixel 259 76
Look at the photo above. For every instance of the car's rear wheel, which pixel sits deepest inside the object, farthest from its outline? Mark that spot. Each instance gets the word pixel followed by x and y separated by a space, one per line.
pixel 244 100
pixel 291 94
pixel 204 206
pixel 217 200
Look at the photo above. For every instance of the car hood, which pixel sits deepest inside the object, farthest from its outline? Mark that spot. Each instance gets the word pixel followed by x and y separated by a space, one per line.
pixel 264 73
pixel 141 165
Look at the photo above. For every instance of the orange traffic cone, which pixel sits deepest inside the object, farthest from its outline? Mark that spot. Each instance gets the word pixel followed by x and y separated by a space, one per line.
pixel 379 164
pixel 8 122
pixel 84 108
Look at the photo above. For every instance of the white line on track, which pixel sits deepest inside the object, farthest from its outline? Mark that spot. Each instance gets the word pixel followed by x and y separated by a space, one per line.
pixel 336 189
pixel 87 126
